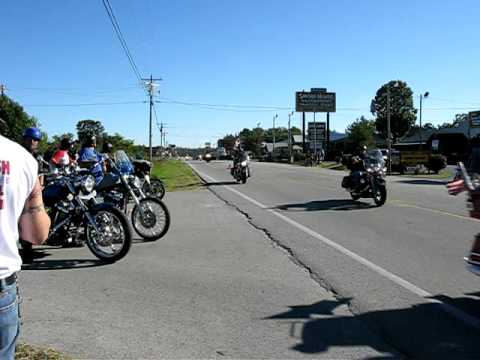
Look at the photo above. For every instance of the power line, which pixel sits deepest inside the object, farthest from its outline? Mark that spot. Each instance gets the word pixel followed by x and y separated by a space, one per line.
pixel 88 104
pixel 269 108
pixel 118 32
pixel 74 91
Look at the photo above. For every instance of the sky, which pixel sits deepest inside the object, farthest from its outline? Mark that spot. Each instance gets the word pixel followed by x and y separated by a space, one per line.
pixel 57 55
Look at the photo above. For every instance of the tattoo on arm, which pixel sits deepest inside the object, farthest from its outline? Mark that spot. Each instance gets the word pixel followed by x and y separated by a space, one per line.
pixel 33 209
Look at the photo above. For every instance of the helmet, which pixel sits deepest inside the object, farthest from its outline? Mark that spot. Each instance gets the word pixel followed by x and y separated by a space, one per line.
pixel 107 148
pixel 65 144
pixel 32 133
pixel 90 141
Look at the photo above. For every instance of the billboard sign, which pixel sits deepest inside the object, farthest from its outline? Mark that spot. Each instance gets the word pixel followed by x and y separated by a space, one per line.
pixel 315 101
pixel 474 119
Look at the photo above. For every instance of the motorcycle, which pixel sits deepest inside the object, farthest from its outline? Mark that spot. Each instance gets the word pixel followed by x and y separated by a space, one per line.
pixel 76 216
pixel 150 187
pixel 241 171
pixel 150 217
pixel 463 181
pixel 367 178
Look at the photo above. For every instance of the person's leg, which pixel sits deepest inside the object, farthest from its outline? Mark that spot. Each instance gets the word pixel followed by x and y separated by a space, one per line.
pixel 9 322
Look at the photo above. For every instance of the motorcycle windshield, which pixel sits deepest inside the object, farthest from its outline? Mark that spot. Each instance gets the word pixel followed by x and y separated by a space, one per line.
pixel 374 159
pixel 122 161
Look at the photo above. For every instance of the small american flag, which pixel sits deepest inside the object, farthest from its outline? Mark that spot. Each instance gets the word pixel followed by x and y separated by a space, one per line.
pixel 456 187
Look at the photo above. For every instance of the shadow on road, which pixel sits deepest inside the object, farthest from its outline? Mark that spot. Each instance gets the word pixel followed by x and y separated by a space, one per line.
pixel 220 183
pixel 420 331
pixel 423 182
pixel 319 205
pixel 63 264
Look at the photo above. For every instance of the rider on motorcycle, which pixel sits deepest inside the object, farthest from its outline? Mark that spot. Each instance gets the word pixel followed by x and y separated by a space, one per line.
pixel 88 153
pixel 62 156
pixel 238 154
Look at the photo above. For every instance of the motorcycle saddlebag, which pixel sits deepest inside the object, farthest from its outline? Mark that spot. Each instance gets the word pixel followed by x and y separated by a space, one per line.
pixel 347 182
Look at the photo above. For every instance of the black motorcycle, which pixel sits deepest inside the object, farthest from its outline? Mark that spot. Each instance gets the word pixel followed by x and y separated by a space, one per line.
pixel 76 215
pixel 150 187
pixel 241 170
pixel 150 216
pixel 367 178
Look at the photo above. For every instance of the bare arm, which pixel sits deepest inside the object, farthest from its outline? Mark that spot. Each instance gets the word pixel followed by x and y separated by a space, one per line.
pixel 34 222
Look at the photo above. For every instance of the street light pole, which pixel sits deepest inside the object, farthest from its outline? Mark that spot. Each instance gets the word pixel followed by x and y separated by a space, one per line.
pixel 421 98
pixel 273 151
pixel 389 135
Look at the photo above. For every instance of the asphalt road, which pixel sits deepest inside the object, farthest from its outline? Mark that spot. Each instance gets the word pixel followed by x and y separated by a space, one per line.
pixel 400 266
pixel 214 287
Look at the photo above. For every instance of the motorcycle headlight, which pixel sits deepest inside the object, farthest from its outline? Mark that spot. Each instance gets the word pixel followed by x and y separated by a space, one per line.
pixel 88 184
pixel 136 182
pixel 244 163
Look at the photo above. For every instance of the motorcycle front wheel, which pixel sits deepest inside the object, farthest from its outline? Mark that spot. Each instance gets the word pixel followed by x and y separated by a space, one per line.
pixel 380 195
pixel 150 219
pixel 111 237
pixel 154 189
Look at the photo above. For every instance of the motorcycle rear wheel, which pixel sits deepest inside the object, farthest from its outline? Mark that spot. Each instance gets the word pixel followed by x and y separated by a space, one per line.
pixel 155 189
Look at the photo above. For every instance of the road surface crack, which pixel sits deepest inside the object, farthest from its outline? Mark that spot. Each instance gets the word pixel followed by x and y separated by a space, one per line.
pixel 324 284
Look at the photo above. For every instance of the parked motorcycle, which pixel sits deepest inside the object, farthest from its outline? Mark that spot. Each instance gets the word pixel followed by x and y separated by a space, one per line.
pixel 463 181
pixel 241 170
pixel 367 178
pixel 76 216
pixel 150 187
pixel 150 216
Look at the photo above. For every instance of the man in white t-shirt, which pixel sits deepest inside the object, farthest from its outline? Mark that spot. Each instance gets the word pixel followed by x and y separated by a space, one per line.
pixel 21 214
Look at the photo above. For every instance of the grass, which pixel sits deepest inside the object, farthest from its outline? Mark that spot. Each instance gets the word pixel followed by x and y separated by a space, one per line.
pixel 176 175
pixel 442 175
pixel 332 165
pixel 29 352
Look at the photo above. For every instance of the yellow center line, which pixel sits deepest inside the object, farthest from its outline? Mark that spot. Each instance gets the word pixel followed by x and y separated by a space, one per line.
pixel 435 211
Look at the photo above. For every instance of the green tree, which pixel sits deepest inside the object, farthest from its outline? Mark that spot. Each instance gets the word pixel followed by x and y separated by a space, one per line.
pixel 15 119
pixel 402 112
pixel 228 142
pixel 88 128
pixel 121 143
pixel 281 134
pixel 360 133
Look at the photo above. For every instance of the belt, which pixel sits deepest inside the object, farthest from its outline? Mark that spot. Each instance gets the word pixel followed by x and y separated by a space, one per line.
pixel 8 281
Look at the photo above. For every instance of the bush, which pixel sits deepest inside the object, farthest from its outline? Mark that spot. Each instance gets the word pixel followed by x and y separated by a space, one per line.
pixel 436 163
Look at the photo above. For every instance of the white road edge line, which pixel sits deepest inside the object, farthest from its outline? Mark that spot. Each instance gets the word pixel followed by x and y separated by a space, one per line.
pixel 459 314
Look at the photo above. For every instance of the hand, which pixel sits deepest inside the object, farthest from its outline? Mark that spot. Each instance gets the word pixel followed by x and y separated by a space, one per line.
pixel 456 187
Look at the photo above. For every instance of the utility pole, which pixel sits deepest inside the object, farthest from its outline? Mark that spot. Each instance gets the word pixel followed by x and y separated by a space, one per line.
pixel 150 83
pixel 389 143
pixel 303 133
pixel 290 159
pixel 2 89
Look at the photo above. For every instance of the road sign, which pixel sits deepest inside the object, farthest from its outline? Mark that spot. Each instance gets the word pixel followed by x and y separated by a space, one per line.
pixel 315 101
pixel 316 135
pixel 474 119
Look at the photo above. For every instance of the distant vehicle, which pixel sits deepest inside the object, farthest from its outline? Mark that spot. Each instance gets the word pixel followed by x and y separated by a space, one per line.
pixel 221 153
pixel 208 157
